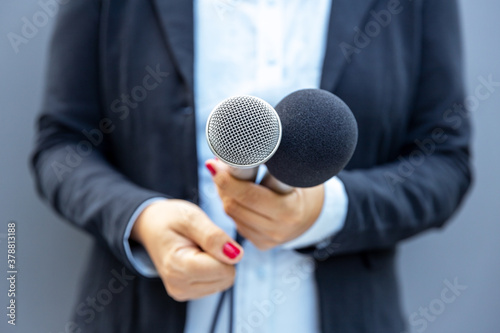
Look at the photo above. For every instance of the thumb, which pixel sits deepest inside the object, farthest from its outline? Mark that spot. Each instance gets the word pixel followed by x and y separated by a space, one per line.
pixel 212 239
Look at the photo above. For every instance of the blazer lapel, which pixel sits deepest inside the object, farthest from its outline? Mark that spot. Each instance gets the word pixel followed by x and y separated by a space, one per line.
pixel 176 18
pixel 344 17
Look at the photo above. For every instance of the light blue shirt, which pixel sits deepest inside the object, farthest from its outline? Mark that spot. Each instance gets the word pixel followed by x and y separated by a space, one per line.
pixel 268 49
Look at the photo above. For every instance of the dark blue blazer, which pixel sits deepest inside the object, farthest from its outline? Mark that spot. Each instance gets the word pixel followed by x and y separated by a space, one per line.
pixel 118 127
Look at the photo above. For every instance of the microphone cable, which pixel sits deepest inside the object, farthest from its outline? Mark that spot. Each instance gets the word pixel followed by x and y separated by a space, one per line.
pixel 228 293
pixel 218 309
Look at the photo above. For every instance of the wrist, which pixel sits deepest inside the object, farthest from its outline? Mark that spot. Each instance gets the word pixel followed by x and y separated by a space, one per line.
pixel 143 222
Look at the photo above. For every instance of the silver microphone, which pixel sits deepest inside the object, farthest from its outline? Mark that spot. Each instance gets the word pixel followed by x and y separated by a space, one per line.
pixel 244 132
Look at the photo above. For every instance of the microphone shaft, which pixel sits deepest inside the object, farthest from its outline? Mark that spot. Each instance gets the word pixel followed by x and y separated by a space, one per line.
pixel 244 173
pixel 268 181
pixel 272 183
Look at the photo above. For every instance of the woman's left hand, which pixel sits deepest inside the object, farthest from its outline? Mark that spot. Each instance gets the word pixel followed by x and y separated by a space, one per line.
pixel 266 218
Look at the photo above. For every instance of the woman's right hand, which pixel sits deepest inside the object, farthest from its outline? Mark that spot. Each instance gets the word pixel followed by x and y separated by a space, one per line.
pixel 193 256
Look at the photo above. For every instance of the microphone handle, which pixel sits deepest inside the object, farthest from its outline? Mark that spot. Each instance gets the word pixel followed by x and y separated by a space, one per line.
pixel 268 181
pixel 244 173
pixel 272 183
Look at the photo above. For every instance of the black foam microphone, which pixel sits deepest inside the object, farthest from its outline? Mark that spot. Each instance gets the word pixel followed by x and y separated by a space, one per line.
pixel 319 136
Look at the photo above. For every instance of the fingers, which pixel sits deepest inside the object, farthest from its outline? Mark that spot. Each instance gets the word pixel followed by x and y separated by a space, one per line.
pixel 201 266
pixel 264 217
pixel 260 240
pixel 193 257
pixel 265 233
pixel 201 230
pixel 250 218
pixel 244 192
pixel 246 201
pixel 193 274
pixel 197 290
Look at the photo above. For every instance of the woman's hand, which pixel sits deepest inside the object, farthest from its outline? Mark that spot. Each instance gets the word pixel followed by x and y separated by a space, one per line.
pixel 193 256
pixel 266 218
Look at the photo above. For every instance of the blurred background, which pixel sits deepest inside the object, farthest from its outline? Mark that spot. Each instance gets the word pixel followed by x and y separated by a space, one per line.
pixel 51 254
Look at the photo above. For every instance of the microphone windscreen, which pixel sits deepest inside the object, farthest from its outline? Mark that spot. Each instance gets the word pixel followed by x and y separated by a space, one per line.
pixel 319 135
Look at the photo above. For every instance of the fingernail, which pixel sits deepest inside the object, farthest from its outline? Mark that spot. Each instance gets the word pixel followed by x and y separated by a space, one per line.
pixel 230 250
pixel 210 168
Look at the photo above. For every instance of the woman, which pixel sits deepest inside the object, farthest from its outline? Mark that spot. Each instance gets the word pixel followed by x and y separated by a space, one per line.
pixel 121 153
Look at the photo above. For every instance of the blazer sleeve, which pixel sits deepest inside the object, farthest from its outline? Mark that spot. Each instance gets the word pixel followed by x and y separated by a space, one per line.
pixel 425 184
pixel 71 171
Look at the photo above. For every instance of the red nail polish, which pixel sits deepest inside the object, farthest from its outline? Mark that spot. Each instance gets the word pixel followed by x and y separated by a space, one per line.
pixel 210 168
pixel 230 250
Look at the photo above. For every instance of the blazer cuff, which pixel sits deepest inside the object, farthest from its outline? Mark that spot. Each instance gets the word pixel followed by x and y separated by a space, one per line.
pixel 330 221
pixel 136 253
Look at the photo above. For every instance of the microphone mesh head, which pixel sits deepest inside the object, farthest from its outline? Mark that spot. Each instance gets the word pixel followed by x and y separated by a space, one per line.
pixel 243 131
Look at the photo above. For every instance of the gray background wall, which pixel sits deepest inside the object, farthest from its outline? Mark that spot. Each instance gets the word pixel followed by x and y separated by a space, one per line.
pixel 51 253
